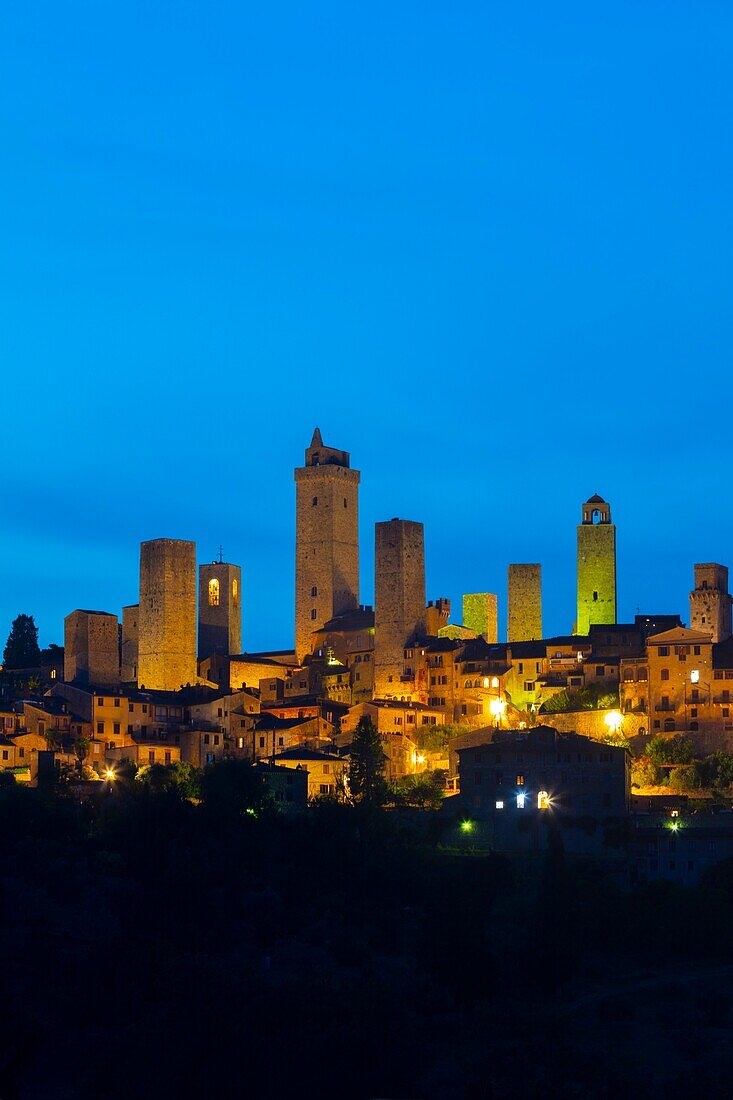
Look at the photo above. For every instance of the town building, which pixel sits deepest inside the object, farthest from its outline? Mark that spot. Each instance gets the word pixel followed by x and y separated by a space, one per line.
pixel 481 615
pixel 533 785
pixel 710 602
pixel 326 771
pixel 91 648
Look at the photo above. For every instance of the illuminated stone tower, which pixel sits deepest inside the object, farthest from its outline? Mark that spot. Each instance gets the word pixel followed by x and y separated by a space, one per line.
pixel 327 540
pixel 92 648
pixel 220 609
pixel 596 566
pixel 480 614
pixel 167 614
pixel 399 600
pixel 710 603
pixel 129 651
pixel 524 603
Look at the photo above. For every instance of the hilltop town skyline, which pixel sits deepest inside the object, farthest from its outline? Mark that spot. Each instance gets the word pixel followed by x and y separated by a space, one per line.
pixel 553 547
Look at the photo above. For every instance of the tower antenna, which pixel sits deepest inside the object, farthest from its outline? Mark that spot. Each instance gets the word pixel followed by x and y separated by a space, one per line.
pixel 221 553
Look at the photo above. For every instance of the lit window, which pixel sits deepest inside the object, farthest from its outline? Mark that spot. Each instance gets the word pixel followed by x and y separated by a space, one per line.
pixel 235 589
pixel 213 592
pixel 495 682
pixel 521 799
pixel 543 800
pixel 500 805
pixel 695 676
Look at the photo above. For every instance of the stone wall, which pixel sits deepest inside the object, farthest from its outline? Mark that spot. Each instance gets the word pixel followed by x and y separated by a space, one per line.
pixel 129 652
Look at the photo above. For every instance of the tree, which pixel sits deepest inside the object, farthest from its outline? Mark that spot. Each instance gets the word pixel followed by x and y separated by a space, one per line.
pixel 232 788
pixel 671 750
pixel 685 778
pixel 644 773
pixel 366 768
pixel 424 791
pixel 21 649
pixel 81 752
pixel 180 779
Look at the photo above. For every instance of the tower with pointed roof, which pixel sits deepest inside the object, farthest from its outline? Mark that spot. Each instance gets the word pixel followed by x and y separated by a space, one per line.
pixel 596 566
pixel 326 540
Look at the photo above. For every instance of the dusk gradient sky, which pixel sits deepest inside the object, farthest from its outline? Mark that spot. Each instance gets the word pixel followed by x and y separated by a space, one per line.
pixel 485 247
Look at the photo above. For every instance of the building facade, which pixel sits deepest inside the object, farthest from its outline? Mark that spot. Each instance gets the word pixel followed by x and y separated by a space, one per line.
pixel 710 602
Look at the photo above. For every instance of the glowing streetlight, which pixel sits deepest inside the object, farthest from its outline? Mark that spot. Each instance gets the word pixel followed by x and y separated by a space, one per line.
pixel 614 720
pixel 497 708
pixel 110 774
pixel 466 826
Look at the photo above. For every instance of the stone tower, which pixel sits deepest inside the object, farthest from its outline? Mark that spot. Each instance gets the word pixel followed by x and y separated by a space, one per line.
pixel 326 540
pixel 220 609
pixel 92 648
pixel 399 600
pixel 710 603
pixel 481 615
pixel 596 566
pixel 167 614
pixel 524 603
pixel 129 649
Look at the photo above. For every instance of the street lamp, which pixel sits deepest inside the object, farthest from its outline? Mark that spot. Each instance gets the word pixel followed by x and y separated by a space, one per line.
pixel 614 720
pixel 497 708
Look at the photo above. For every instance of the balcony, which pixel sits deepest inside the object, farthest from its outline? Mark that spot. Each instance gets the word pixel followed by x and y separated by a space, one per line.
pixel 665 708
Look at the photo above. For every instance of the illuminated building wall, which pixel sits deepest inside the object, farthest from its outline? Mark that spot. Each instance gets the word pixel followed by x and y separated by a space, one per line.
pixel 220 609
pixel 129 658
pixel 327 540
pixel 710 603
pixel 596 566
pixel 524 603
pixel 167 615
pixel 480 615
pixel 91 648
pixel 399 601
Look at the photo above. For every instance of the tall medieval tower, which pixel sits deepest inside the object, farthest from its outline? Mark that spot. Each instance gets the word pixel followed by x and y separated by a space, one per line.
pixel 596 566
pixel 399 600
pixel 167 615
pixel 220 609
pixel 524 603
pixel 710 603
pixel 326 540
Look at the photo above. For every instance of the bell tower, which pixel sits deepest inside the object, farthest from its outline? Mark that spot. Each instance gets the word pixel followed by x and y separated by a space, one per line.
pixel 596 566
pixel 326 540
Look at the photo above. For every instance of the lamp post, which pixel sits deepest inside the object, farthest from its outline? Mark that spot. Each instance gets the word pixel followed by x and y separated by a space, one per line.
pixel 497 708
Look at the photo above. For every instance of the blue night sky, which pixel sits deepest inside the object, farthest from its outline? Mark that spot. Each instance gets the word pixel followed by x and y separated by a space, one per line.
pixel 486 247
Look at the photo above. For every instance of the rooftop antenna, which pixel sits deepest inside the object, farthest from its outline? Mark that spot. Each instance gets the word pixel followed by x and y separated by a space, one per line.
pixel 221 554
